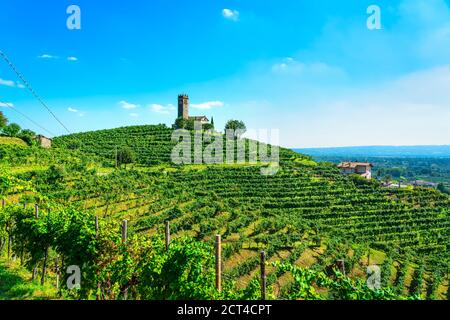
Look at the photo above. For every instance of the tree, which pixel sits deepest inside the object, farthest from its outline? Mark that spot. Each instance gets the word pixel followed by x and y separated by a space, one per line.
pixel 28 136
pixel 181 123
pixel 441 187
pixel 208 126
pixel 387 179
pixel 238 127
pixel 190 125
pixel 3 120
pixel 125 156
pixel 12 130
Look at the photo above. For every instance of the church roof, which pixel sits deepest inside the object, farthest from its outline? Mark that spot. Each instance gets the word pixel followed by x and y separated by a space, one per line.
pixel 199 118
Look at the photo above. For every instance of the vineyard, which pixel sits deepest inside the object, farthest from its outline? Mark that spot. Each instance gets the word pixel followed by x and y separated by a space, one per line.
pixel 305 218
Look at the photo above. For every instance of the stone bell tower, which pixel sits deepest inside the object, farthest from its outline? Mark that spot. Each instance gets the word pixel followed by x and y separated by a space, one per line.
pixel 183 106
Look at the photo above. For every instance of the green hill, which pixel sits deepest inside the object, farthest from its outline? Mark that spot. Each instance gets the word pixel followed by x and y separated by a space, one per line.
pixel 308 214
pixel 152 144
pixel 12 141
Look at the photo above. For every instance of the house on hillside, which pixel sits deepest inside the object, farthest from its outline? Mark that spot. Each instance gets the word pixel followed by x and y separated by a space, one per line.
pixel 422 183
pixel 43 141
pixel 364 169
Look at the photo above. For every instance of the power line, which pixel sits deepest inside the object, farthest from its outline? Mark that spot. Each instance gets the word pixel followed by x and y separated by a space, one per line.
pixel 28 86
pixel 9 105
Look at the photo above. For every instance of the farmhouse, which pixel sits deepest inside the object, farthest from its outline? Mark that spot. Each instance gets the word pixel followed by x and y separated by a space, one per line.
pixel 422 183
pixel 364 169
pixel 183 110
pixel 43 141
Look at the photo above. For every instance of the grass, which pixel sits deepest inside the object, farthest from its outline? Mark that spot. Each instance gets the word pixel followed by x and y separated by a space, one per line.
pixel 9 140
pixel 15 284
pixel 27 168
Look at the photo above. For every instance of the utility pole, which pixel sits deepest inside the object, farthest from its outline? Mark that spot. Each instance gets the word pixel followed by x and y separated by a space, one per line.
pixel 116 156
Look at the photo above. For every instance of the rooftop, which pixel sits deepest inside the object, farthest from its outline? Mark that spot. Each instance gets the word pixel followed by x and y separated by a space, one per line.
pixel 354 164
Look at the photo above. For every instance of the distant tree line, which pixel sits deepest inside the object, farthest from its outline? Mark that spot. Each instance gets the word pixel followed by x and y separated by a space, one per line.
pixel 238 126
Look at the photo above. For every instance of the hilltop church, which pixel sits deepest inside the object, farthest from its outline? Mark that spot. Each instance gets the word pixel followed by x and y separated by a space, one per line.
pixel 183 110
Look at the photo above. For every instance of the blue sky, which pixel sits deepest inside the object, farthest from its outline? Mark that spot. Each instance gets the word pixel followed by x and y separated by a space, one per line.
pixel 311 69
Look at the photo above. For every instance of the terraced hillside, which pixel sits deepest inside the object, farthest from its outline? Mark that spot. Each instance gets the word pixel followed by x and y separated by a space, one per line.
pixel 152 144
pixel 308 214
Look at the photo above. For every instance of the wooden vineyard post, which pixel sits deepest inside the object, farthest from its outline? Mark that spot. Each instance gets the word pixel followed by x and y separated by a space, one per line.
pixel 116 158
pixel 96 227
pixel 33 275
pixel 124 241
pixel 167 232
pixel 24 206
pixel 44 266
pixel 57 273
pixel 341 266
pixel 218 263
pixel 36 213
pixel 13 253
pixel 3 203
pixel 124 231
pixel 9 246
pixel 263 275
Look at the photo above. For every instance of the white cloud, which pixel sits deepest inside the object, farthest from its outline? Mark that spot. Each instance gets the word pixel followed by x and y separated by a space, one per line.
pixel 288 65
pixel 8 83
pixel 208 105
pixel 72 58
pixel 134 115
pixel 160 108
pixel 127 105
pixel 294 67
pixel 47 56
pixel 6 104
pixel 76 111
pixel 230 14
pixel 410 110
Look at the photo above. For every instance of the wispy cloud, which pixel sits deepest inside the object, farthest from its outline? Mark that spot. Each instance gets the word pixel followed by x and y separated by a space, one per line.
pixel 134 115
pixel 158 108
pixel 6 104
pixel 230 14
pixel 208 105
pixel 11 83
pixel 76 111
pixel 127 105
pixel 8 83
pixel 47 56
pixel 292 66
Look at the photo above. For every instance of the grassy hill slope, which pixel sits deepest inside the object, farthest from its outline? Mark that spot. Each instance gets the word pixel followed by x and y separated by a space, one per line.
pixel 12 141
